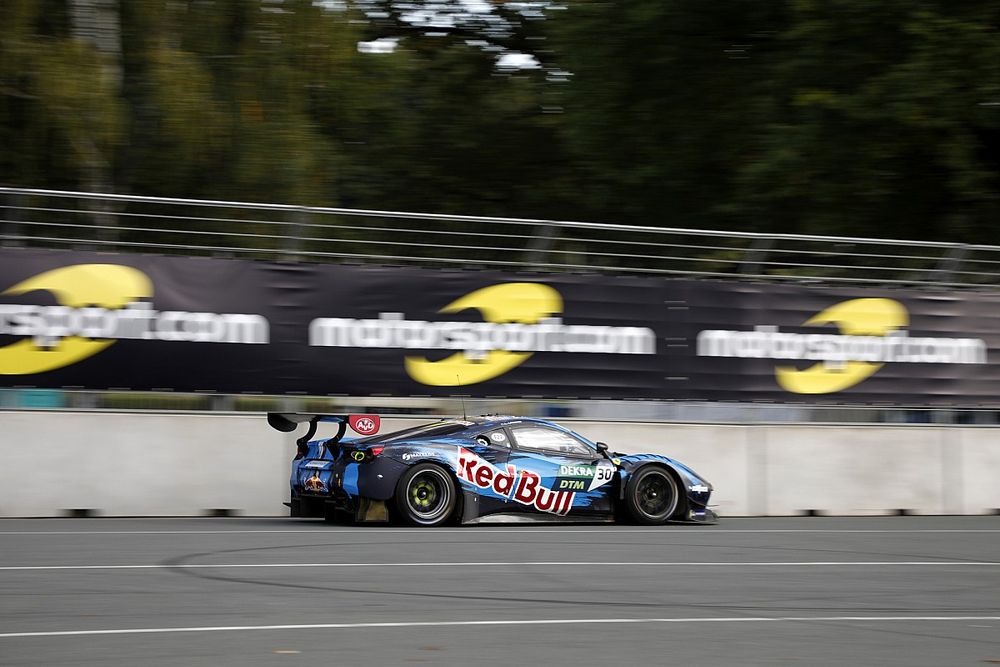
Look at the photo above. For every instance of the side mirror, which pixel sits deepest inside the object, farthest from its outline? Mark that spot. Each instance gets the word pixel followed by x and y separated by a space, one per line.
pixel 602 448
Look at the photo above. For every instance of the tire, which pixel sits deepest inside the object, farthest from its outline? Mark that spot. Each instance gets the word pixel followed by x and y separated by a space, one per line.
pixel 426 495
pixel 652 496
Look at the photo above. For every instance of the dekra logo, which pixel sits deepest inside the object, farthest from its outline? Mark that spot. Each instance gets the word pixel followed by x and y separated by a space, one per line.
pixel 99 304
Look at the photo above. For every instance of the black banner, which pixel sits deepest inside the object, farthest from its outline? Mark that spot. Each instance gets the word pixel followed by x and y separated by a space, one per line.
pixel 126 321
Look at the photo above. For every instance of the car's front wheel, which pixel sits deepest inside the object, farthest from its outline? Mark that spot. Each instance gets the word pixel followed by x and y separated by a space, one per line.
pixel 426 495
pixel 652 496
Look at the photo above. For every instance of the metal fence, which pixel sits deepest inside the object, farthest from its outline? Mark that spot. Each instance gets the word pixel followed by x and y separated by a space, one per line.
pixel 80 220
pixel 62 219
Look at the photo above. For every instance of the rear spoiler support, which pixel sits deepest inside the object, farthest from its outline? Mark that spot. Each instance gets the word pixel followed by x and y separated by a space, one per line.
pixel 287 422
pixel 311 431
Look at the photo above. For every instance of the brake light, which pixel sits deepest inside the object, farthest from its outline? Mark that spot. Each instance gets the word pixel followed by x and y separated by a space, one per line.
pixel 375 451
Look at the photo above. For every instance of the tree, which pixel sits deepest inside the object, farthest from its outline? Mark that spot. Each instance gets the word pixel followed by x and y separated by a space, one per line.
pixel 835 118
pixel 656 94
pixel 879 120
pixel 60 115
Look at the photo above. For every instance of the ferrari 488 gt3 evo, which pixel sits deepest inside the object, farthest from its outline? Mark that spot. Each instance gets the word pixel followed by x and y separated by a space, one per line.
pixel 483 469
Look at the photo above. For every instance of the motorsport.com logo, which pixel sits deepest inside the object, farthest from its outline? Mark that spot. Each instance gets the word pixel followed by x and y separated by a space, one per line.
pixel 475 339
pixel 766 342
pixel 47 325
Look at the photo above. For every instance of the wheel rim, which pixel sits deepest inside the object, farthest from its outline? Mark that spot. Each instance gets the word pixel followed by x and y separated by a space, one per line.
pixel 656 495
pixel 428 494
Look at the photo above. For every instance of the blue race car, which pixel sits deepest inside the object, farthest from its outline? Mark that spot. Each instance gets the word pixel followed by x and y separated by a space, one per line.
pixel 483 469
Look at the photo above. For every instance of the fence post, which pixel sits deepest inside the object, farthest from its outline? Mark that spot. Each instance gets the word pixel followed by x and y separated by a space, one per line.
pixel 754 255
pixel 541 243
pixel 951 262
pixel 10 217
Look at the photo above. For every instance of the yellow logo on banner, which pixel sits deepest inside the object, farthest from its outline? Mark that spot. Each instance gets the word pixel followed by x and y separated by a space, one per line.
pixel 521 303
pixel 857 317
pixel 102 285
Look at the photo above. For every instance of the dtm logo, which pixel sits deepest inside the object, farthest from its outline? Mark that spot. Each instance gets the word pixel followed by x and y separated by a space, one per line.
pixel 99 304
pixel 364 424
pixel 872 333
pixel 520 486
pixel 519 319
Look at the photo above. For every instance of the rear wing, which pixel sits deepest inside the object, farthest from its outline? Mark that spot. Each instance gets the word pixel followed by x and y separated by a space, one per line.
pixel 286 422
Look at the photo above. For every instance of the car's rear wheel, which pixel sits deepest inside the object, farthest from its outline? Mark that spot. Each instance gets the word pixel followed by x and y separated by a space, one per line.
pixel 426 495
pixel 652 495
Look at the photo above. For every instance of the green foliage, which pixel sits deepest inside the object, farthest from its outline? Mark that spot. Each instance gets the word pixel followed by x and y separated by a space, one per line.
pixel 880 120
pixel 60 113
pixel 840 117
pixel 656 104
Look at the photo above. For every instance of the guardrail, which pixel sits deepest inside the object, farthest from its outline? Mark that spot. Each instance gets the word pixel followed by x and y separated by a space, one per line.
pixel 757 470
pixel 55 218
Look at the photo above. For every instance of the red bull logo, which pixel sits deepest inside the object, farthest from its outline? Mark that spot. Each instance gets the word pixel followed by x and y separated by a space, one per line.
pixel 315 484
pixel 522 486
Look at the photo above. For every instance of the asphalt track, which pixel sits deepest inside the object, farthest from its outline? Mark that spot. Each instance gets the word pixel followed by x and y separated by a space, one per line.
pixel 810 591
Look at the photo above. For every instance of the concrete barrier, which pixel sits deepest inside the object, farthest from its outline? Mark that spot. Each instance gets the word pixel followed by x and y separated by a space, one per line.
pixel 170 464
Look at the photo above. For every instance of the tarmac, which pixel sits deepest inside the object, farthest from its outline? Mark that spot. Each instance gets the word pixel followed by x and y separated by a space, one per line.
pixel 253 591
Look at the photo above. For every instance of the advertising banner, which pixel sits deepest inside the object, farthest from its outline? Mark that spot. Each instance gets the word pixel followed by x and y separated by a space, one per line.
pixel 842 345
pixel 145 322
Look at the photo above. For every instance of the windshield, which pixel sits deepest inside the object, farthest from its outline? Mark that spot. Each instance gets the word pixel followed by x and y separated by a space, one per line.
pixel 422 432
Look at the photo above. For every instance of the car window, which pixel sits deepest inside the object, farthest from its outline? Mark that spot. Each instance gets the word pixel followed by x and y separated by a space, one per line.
pixel 549 440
